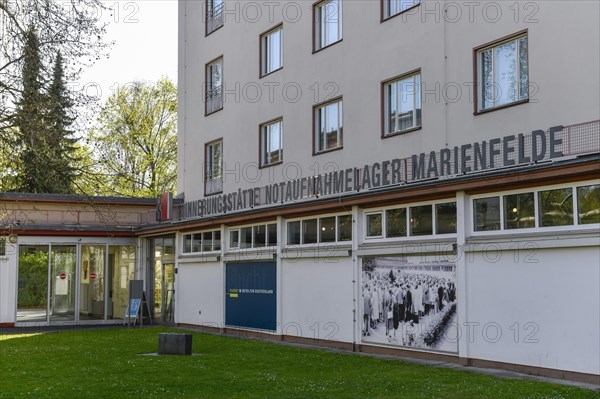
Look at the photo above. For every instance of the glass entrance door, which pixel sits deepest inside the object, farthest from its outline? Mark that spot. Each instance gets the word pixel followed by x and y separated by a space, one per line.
pixel 91 287
pixel 32 302
pixel 63 277
pixel 169 292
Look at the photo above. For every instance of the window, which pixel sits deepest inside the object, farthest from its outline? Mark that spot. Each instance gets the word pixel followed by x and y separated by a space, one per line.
pixel 556 207
pixel 395 7
pixel 412 221
pixel 327 229
pixel 214 164
pixel 421 220
pixel 588 204
pixel 328 23
pixel 502 73
pixel 395 223
pixel 402 104
pixel 271 52
pixel 206 241
pixel 214 86
pixel 445 218
pixel 214 15
pixel 544 208
pixel 257 236
pixel 374 224
pixel 519 211
pixel 271 146
pixel 2 246
pixel 328 126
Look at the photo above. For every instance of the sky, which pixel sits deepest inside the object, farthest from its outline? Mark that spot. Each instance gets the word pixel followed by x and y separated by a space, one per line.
pixel 145 35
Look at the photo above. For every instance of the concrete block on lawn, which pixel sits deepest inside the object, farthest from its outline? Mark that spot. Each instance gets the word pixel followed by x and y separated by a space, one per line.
pixel 174 344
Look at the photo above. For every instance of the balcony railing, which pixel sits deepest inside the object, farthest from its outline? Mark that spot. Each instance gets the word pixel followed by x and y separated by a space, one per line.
pixel 214 100
pixel 214 18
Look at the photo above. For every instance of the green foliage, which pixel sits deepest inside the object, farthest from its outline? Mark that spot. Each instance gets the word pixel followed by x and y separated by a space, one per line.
pixel 134 143
pixel 33 275
pixel 110 364
pixel 44 145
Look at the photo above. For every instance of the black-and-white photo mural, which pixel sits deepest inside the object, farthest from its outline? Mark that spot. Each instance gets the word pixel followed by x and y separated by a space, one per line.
pixel 409 302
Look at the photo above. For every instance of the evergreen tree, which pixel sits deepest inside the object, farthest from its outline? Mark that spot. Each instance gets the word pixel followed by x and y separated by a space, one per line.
pixel 62 152
pixel 30 121
pixel 46 145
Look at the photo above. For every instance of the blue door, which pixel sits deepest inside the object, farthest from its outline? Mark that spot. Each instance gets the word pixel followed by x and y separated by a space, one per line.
pixel 250 295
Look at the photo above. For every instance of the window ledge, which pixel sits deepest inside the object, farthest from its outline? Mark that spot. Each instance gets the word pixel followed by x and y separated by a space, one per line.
pixel 401 132
pixel 316 50
pixel 485 111
pixel 270 73
pixel 270 165
pixel 328 150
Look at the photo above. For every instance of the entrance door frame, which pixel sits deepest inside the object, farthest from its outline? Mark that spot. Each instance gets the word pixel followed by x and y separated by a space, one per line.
pixel 48 242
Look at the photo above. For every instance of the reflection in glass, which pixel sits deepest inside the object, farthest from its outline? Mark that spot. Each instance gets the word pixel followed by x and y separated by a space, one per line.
pixel 395 223
pixel 234 239
pixel 63 262
pixel 588 203
pixel 271 235
pixel 121 268
pixel 246 237
pixel 445 218
pixel 487 214
pixel 519 211
pixel 260 236
pixel 556 207
pixel 91 288
pixel 327 229
pixel 309 231
pixel 293 233
pixel 374 221
pixel 344 228
pixel 421 220
pixel 32 294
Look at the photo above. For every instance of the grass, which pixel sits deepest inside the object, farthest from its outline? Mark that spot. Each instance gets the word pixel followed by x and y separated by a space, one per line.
pixel 108 364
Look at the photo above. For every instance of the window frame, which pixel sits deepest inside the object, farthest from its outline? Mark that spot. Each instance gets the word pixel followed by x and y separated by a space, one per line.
pixel 407 212
pixel 317 24
pixel 3 246
pixel 206 168
pixel 536 210
pixel 208 18
pixel 477 90
pixel 263 50
pixel 385 17
pixel 201 234
pixel 340 132
pixel 261 147
pixel 208 87
pixel 385 111
pixel 318 243
pixel 252 246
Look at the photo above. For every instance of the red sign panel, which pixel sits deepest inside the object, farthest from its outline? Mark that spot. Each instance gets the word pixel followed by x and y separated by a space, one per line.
pixel 93 276
pixel 63 276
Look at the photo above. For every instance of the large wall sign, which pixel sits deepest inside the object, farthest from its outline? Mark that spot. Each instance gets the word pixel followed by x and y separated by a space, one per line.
pixel 409 303
pixel 508 151
pixel 250 295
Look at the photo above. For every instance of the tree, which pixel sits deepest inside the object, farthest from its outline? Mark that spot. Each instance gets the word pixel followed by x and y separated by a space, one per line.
pixel 135 141
pixel 71 26
pixel 44 144
pixel 29 120
pixel 59 120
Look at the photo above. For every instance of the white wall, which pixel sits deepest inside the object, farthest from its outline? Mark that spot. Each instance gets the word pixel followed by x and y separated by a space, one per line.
pixel 555 290
pixel 8 284
pixel 200 287
pixel 317 298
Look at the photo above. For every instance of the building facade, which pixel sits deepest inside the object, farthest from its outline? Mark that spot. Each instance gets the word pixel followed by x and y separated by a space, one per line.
pixel 394 176
pixel 405 177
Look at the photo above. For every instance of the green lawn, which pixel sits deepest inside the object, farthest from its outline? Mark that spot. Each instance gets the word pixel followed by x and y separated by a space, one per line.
pixel 108 364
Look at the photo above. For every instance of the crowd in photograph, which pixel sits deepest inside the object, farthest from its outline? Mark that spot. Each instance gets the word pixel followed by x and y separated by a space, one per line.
pixel 394 298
